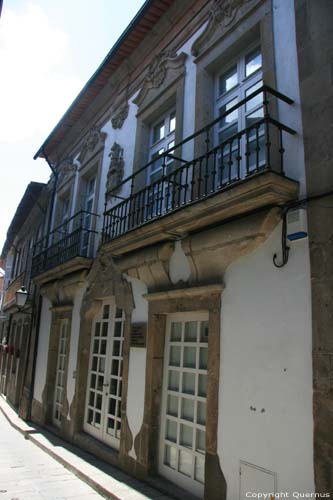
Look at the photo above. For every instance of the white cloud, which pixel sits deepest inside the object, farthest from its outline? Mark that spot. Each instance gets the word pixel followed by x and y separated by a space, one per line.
pixel 35 90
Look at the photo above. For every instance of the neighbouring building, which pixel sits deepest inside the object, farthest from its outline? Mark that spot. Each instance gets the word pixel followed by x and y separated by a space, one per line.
pixel 17 324
pixel 184 268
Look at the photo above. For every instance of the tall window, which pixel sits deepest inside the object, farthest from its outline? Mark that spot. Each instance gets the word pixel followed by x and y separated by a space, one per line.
pixel 183 422
pixel 162 138
pixel 87 218
pixel 103 404
pixel 232 84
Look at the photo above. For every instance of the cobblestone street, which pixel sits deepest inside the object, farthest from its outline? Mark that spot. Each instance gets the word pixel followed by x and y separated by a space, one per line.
pixel 28 473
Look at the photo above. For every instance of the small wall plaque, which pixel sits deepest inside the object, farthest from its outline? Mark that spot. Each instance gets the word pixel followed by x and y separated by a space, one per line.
pixel 138 334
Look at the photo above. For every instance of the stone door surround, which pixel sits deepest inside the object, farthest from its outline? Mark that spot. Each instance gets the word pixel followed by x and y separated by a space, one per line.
pixel 201 298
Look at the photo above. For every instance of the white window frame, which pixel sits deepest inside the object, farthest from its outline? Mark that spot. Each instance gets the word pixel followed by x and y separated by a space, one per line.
pixel 106 393
pixel 238 93
pixel 60 376
pixel 188 483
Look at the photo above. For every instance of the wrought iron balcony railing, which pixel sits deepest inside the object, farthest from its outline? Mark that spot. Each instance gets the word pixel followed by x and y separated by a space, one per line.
pixel 225 160
pixel 73 238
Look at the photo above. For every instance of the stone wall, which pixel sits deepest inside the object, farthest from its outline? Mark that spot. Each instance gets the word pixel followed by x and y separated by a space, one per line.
pixel 315 57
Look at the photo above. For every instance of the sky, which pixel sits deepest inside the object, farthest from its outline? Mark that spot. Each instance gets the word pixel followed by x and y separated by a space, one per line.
pixel 48 51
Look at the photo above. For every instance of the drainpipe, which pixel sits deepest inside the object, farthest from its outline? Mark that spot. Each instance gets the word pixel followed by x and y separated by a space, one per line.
pixel 54 172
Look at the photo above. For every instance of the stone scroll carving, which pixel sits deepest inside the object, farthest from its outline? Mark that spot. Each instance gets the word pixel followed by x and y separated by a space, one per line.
pixel 158 70
pixel 120 116
pixel 222 13
pixel 65 169
pixel 94 140
pixel 116 170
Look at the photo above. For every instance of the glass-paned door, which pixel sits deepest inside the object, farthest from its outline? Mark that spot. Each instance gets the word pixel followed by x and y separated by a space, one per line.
pixel 87 216
pixel 103 401
pixel 60 380
pixel 238 153
pixel 161 194
pixel 183 419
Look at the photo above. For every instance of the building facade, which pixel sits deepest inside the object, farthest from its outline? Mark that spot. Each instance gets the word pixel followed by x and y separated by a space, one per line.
pixel 18 324
pixel 178 314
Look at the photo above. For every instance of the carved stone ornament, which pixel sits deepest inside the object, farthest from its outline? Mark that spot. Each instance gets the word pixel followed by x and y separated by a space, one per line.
pixel 116 170
pixel 65 169
pixel 94 138
pixel 157 71
pixel 222 13
pixel 118 119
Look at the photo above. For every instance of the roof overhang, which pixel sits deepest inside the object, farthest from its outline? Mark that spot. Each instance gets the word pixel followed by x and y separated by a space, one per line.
pixel 140 26
pixel 28 200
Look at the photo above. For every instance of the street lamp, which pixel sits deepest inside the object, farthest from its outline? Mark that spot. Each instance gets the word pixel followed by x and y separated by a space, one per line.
pixel 21 297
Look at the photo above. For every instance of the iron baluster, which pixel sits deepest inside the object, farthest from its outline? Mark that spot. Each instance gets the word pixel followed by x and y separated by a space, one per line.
pixel 239 157
pixel 230 161
pixel 281 151
pixel 266 121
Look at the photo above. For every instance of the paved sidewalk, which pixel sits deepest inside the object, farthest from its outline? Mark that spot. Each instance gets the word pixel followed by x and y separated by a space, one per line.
pixel 28 473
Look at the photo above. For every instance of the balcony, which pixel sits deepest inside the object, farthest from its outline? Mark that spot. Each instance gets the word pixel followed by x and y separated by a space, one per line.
pixel 9 295
pixel 233 175
pixel 68 248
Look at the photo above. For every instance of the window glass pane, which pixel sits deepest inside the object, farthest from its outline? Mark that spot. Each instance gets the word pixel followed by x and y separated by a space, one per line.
pixel 188 383
pixel 253 62
pixel 227 133
pixel 231 117
pixel 104 330
pixel 202 385
pixel 228 80
pixel 117 329
pixel 203 358
pixel 102 365
pixel 185 463
pixel 106 311
pixel 189 360
pixel 173 381
pixel 186 436
pixel 191 331
pixel 257 100
pixel 204 331
pixel 201 413
pixel 170 456
pixel 158 132
pixel 176 332
pixel 119 313
pixel 200 469
pixel 174 359
pixel 201 440
pixel 172 122
pixel 172 408
pixel 171 431
pixel 254 117
pixel 188 409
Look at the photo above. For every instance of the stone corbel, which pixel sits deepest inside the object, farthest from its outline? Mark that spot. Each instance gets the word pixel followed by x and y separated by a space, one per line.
pixel 222 14
pixel 208 253
pixel 163 63
pixel 61 293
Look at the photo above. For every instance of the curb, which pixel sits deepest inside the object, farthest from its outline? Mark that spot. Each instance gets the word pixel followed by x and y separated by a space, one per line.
pixel 36 435
pixel 69 466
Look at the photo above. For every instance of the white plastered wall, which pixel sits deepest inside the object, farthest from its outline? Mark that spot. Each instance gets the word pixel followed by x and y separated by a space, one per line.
pixel 265 393
pixel 137 364
pixel 73 347
pixel 42 349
